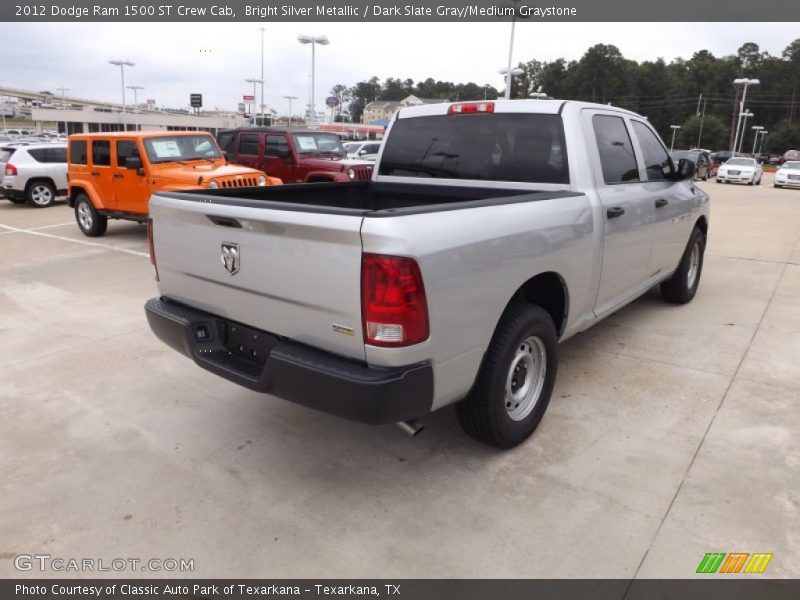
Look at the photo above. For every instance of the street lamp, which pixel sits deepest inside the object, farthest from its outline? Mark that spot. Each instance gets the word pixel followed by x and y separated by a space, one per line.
pixel 262 68
pixel 122 64
pixel 744 82
pixel 757 129
pixel 509 77
pixel 313 40
pixel 743 116
pixel 135 111
pixel 254 82
pixel 63 91
pixel 290 98
pixel 674 130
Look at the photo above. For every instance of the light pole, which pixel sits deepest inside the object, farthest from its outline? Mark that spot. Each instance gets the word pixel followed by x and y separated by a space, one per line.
pixel 744 116
pixel 63 91
pixel 757 129
pixel 290 98
pixel 764 133
pixel 509 76
pixel 122 64
pixel 262 29
pixel 135 110
pixel 313 40
pixel 672 143
pixel 254 82
pixel 744 82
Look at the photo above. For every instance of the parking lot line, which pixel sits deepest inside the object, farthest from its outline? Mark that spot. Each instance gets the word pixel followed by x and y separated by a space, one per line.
pixel 66 239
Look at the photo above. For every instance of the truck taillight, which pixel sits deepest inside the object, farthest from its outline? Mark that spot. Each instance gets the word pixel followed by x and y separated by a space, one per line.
pixel 11 169
pixel 467 108
pixel 394 309
pixel 151 246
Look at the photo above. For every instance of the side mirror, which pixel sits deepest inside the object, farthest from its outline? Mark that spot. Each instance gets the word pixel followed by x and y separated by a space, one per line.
pixel 225 155
pixel 686 169
pixel 133 162
pixel 362 152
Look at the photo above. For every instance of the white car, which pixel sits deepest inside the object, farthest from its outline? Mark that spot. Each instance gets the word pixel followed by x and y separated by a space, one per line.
pixel 788 175
pixel 35 174
pixel 740 169
pixel 366 150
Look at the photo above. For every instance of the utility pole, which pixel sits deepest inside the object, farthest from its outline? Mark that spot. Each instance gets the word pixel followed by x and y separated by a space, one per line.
pixel 262 69
pixel 702 118
pixel 734 115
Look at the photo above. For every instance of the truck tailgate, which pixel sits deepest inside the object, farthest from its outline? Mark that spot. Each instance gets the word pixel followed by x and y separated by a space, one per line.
pixel 298 272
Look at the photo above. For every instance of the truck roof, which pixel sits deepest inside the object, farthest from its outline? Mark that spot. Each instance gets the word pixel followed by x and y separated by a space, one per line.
pixel 549 107
pixel 136 134
pixel 257 129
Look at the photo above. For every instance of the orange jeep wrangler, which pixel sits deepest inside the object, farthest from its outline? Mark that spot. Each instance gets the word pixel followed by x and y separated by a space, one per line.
pixel 112 175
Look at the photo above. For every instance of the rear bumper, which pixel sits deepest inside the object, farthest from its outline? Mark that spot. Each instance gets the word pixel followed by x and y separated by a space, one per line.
pixel 264 363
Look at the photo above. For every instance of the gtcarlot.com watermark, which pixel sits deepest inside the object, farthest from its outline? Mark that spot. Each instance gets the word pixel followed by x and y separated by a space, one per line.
pixel 49 563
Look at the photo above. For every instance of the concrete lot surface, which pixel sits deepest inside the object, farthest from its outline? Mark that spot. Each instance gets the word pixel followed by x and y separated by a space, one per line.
pixel 673 431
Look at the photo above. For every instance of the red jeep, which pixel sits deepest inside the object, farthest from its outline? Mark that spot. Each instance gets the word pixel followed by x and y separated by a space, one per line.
pixel 293 155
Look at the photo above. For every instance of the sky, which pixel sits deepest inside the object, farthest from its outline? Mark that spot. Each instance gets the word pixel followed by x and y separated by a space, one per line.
pixel 176 59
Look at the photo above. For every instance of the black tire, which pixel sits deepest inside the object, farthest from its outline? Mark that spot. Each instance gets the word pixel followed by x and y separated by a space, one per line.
pixel 89 221
pixel 776 185
pixel 16 200
pixel 678 289
pixel 40 193
pixel 485 414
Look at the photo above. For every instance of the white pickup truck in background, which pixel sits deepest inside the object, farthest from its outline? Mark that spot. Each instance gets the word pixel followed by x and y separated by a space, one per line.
pixel 489 232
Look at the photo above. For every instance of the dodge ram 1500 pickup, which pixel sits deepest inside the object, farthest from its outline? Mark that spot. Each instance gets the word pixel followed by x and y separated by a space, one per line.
pixel 490 232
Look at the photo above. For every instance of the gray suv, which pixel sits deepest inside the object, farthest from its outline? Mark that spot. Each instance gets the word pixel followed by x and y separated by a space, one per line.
pixel 35 174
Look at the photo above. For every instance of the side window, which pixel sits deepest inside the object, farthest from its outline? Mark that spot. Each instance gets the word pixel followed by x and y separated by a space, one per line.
pixel 101 153
pixel 615 149
pixel 226 141
pixel 56 155
pixel 274 145
pixel 248 144
pixel 126 149
pixel 39 155
pixel 77 152
pixel 656 159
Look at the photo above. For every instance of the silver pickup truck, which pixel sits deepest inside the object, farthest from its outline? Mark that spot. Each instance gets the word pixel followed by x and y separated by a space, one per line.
pixel 490 232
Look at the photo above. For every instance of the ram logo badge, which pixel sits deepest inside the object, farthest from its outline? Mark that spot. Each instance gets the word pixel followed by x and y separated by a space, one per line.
pixel 230 257
pixel 343 329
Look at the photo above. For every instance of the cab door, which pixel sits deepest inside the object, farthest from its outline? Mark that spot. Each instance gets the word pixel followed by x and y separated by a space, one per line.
pixel 131 190
pixel 278 159
pixel 627 211
pixel 673 200
pixel 248 149
pixel 100 172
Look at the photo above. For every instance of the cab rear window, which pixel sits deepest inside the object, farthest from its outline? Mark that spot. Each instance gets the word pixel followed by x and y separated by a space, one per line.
pixel 489 147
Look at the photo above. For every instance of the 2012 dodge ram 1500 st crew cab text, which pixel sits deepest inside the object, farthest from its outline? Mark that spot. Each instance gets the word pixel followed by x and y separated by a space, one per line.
pixel 489 232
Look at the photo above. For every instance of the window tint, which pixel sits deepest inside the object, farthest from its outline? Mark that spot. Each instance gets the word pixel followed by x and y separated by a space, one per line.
pixel 77 152
pixel 6 153
pixel 488 146
pixel 38 154
pixel 57 155
pixel 248 143
pixel 274 143
pixel 616 151
pixel 226 141
pixel 101 153
pixel 126 149
pixel 656 159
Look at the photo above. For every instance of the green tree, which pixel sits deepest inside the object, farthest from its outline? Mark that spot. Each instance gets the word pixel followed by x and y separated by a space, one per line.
pixel 714 134
pixel 784 136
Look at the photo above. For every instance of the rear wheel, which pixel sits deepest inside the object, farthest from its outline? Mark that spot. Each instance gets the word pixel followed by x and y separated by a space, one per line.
pixel 682 286
pixel 40 193
pixel 89 221
pixel 516 379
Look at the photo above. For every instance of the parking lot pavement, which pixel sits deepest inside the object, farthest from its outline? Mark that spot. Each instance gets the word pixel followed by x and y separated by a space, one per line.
pixel 673 431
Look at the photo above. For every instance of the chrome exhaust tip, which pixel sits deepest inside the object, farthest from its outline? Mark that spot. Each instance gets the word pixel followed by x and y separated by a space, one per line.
pixel 412 427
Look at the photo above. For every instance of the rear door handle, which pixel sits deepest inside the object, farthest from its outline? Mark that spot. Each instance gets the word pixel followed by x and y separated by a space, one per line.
pixel 614 212
pixel 118 175
pixel 95 174
pixel 661 202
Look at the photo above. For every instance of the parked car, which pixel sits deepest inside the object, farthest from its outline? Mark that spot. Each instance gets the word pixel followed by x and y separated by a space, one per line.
pixel 364 150
pixel 112 175
pixel 788 175
pixel 293 155
pixel 35 173
pixel 740 169
pixel 789 155
pixel 483 240
pixel 700 158
pixel 718 159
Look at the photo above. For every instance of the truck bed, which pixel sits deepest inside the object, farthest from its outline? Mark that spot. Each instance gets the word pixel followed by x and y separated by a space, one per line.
pixel 374 199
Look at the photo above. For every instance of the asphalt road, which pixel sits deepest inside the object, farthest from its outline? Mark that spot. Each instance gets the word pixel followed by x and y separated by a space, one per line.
pixel 673 431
